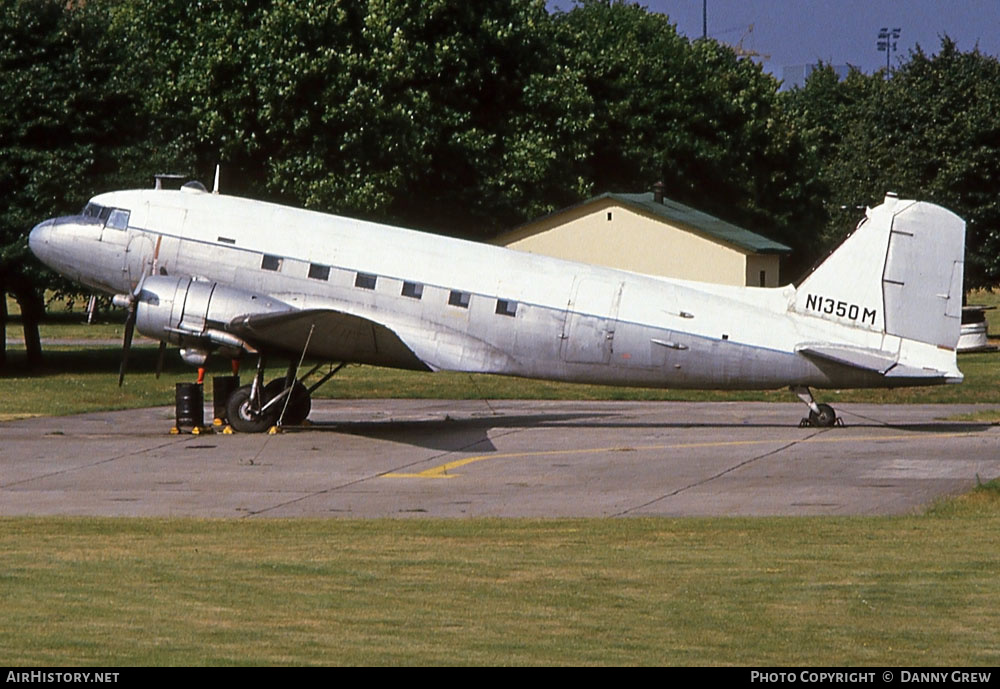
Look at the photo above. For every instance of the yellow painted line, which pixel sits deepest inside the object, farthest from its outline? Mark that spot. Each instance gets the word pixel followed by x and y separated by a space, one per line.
pixel 443 470
pixel 16 416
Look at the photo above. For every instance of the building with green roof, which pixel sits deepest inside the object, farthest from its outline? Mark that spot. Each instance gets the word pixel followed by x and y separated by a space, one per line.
pixel 647 233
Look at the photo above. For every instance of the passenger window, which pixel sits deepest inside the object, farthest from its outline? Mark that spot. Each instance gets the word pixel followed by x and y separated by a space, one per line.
pixel 506 307
pixel 365 281
pixel 459 299
pixel 414 290
pixel 269 262
pixel 117 219
pixel 318 272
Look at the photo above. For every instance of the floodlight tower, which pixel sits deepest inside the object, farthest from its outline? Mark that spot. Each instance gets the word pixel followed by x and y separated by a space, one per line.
pixel 887 42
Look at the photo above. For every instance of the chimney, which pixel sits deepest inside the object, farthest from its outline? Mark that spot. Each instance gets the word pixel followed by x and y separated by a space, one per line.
pixel 658 192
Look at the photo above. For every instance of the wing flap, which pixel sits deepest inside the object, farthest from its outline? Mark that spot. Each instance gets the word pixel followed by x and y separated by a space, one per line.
pixel 334 335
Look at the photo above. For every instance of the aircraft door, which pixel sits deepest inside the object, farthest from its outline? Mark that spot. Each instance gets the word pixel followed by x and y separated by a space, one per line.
pixel 159 241
pixel 589 331
pixel 138 254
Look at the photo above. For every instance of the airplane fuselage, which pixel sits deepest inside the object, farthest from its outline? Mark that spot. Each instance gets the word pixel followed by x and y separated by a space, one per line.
pixel 465 306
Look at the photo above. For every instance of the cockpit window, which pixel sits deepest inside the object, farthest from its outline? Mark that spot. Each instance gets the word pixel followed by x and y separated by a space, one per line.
pixel 115 218
pixel 118 219
pixel 93 211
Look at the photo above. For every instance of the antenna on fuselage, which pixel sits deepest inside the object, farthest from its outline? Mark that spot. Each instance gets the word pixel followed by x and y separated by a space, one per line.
pixel 215 187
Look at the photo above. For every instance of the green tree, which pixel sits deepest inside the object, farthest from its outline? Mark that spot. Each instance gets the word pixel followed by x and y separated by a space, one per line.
pixel 834 119
pixel 943 131
pixel 63 128
pixel 193 65
pixel 445 115
pixel 929 132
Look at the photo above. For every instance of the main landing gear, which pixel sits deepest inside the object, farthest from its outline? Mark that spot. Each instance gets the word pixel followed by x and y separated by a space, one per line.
pixel 820 415
pixel 287 401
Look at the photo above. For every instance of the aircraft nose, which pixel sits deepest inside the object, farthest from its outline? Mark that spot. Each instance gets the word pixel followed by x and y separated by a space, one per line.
pixel 40 237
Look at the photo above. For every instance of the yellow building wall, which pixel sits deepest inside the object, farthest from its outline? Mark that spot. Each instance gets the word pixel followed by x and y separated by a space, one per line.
pixel 609 234
pixel 766 263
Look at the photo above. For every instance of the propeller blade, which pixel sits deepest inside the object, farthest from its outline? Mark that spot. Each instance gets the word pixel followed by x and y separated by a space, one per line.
pixel 159 358
pixel 127 343
pixel 132 300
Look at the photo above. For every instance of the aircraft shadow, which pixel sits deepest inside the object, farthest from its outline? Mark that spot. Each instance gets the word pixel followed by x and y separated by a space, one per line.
pixel 943 427
pixel 455 434
pixel 446 434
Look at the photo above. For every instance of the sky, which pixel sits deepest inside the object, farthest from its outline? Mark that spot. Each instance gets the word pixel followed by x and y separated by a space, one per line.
pixel 798 32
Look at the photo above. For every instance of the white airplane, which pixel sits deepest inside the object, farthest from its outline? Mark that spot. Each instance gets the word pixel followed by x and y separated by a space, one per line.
pixel 225 275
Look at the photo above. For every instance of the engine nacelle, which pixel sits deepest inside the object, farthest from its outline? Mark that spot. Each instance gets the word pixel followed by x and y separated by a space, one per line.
pixel 193 313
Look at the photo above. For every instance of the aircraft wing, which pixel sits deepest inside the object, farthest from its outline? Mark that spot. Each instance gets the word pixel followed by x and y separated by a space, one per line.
pixel 884 363
pixel 335 335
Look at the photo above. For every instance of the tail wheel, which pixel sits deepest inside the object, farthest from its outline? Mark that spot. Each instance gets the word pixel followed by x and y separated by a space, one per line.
pixel 299 405
pixel 826 417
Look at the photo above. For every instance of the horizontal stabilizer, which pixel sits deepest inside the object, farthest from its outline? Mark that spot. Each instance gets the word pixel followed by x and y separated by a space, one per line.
pixel 875 360
pixel 857 357
pixel 904 371
pixel 330 334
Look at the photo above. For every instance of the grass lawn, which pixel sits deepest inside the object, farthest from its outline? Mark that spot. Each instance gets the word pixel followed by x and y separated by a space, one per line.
pixel 916 590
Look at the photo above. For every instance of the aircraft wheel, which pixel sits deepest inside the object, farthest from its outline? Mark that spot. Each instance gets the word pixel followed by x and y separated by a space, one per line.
pixel 826 417
pixel 243 417
pixel 298 407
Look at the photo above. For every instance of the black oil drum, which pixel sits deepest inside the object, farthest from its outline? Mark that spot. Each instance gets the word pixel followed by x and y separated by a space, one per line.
pixel 190 405
pixel 222 388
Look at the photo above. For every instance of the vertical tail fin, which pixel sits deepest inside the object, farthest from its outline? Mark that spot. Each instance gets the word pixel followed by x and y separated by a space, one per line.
pixel 900 274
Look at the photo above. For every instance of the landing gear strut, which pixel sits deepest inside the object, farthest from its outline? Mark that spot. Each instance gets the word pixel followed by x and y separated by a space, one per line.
pixel 247 409
pixel 820 415
pixel 256 408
